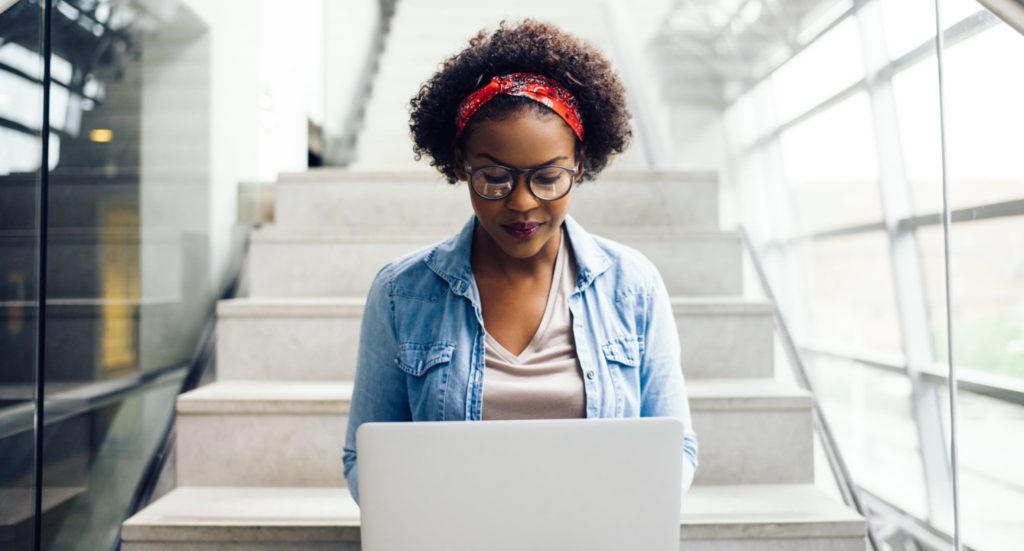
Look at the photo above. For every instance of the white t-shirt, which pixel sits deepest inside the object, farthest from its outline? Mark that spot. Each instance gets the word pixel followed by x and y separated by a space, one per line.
pixel 545 380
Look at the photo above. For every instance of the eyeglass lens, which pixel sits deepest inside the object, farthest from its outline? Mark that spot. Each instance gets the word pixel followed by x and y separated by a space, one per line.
pixel 495 182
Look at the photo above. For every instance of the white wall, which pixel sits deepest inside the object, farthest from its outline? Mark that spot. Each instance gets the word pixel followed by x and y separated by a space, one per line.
pixel 350 28
pixel 266 78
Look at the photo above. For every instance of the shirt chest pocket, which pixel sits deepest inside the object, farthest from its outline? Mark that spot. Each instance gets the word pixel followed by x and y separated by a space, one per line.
pixel 416 358
pixel 427 364
pixel 622 355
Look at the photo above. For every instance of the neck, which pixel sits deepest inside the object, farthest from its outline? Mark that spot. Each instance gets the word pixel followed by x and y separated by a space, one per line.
pixel 489 258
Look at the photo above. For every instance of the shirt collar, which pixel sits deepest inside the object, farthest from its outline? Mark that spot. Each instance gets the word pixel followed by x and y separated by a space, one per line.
pixel 450 258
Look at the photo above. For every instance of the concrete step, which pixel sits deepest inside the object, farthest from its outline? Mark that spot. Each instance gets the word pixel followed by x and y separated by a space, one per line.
pixel 752 431
pixel 749 431
pixel 785 517
pixel 422 201
pixel 262 433
pixel 398 155
pixel 427 50
pixel 318 338
pixel 292 263
pixel 289 339
pixel 464 23
pixel 436 27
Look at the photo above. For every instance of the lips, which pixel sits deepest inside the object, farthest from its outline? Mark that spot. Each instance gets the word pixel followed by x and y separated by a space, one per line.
pixel 522 230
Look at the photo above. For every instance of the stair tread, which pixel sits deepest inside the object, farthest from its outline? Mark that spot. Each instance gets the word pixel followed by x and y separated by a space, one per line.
pixel 342 176
pixel 267 397
pixel 355 234
pixel 333 396
pixel 343 306
pixel 284 514
pixel 737 394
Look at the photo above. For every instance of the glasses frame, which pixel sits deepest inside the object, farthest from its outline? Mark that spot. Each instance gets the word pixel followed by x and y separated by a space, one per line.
pixel 528 172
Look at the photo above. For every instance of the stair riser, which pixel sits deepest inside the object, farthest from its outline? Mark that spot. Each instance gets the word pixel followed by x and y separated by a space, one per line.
pixel 439 206
pixel 227 545
pixel 754 544
pixel 287 348
pixel 227 449
pixel 325 347
pixel 697 267
pixel 759 446
pixel 754 446
pixel 766 544
pixel 727 346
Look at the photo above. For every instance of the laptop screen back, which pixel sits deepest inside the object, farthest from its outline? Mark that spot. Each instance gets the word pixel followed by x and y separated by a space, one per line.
pixel 531 484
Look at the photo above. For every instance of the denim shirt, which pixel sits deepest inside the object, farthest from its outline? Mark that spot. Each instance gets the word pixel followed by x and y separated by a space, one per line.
pixel 421 343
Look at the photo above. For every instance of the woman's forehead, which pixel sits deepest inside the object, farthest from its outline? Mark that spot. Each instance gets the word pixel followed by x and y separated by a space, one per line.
pixel 525 139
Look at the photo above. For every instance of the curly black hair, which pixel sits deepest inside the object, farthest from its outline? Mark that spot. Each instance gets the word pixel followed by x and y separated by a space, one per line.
pixel 526 46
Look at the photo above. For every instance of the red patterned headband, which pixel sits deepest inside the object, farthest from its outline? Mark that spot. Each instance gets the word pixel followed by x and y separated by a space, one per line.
pixel 536 87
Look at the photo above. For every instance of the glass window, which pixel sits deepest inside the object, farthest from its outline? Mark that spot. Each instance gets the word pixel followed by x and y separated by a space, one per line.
pixel 869 412
pixel 819 71
pixel 987 265
pixel 908 25
pixel 741 123
pixel 832 168
pixel 984 117
pixel 916 97
pixel 849 301
pixel 991 452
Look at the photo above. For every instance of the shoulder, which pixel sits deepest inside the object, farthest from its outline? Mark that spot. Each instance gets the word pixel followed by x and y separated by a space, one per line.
pixel 409 275
pixel 629 270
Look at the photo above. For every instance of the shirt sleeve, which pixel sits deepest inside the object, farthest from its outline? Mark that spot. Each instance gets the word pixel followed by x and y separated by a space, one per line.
pixel 379 388
pixel 662 386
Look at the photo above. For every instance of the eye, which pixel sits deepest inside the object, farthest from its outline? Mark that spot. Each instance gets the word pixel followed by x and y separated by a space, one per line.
pixel 496 179
pixel 551 176
pixel 494 175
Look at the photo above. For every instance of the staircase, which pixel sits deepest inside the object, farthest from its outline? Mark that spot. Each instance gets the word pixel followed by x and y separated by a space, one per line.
pixel 259 450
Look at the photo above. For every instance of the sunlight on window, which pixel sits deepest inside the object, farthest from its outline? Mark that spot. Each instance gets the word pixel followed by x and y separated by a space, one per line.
pixel 822 69
pixel 832 168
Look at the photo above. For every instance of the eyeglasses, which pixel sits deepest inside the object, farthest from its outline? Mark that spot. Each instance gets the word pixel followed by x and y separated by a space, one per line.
pixel 547 183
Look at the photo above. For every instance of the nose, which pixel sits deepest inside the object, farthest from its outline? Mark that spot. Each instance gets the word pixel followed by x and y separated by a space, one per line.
pixel 521 199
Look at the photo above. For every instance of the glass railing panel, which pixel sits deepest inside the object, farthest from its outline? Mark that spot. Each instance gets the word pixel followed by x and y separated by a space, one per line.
pixel 21 110
pixel 129 281
pixel 96 457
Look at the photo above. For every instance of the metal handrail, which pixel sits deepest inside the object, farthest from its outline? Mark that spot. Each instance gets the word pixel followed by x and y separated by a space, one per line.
pixel 844 481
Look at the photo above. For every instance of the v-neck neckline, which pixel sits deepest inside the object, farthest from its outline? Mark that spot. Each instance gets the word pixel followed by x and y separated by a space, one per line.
pixel 545 320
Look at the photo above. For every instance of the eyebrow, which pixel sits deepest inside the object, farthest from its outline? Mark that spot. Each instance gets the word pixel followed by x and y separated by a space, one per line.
pixel 500 162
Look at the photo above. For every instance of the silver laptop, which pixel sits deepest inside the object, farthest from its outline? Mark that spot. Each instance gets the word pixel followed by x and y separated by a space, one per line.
pixel 558 484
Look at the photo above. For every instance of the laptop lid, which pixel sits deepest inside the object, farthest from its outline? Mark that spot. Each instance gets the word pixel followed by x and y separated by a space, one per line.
pixel 521 484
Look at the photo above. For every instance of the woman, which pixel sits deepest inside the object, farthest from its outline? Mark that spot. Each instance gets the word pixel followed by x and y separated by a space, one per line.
pixel 522 314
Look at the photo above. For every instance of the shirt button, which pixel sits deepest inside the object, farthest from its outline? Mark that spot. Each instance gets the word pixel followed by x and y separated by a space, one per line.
pixel 590 374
